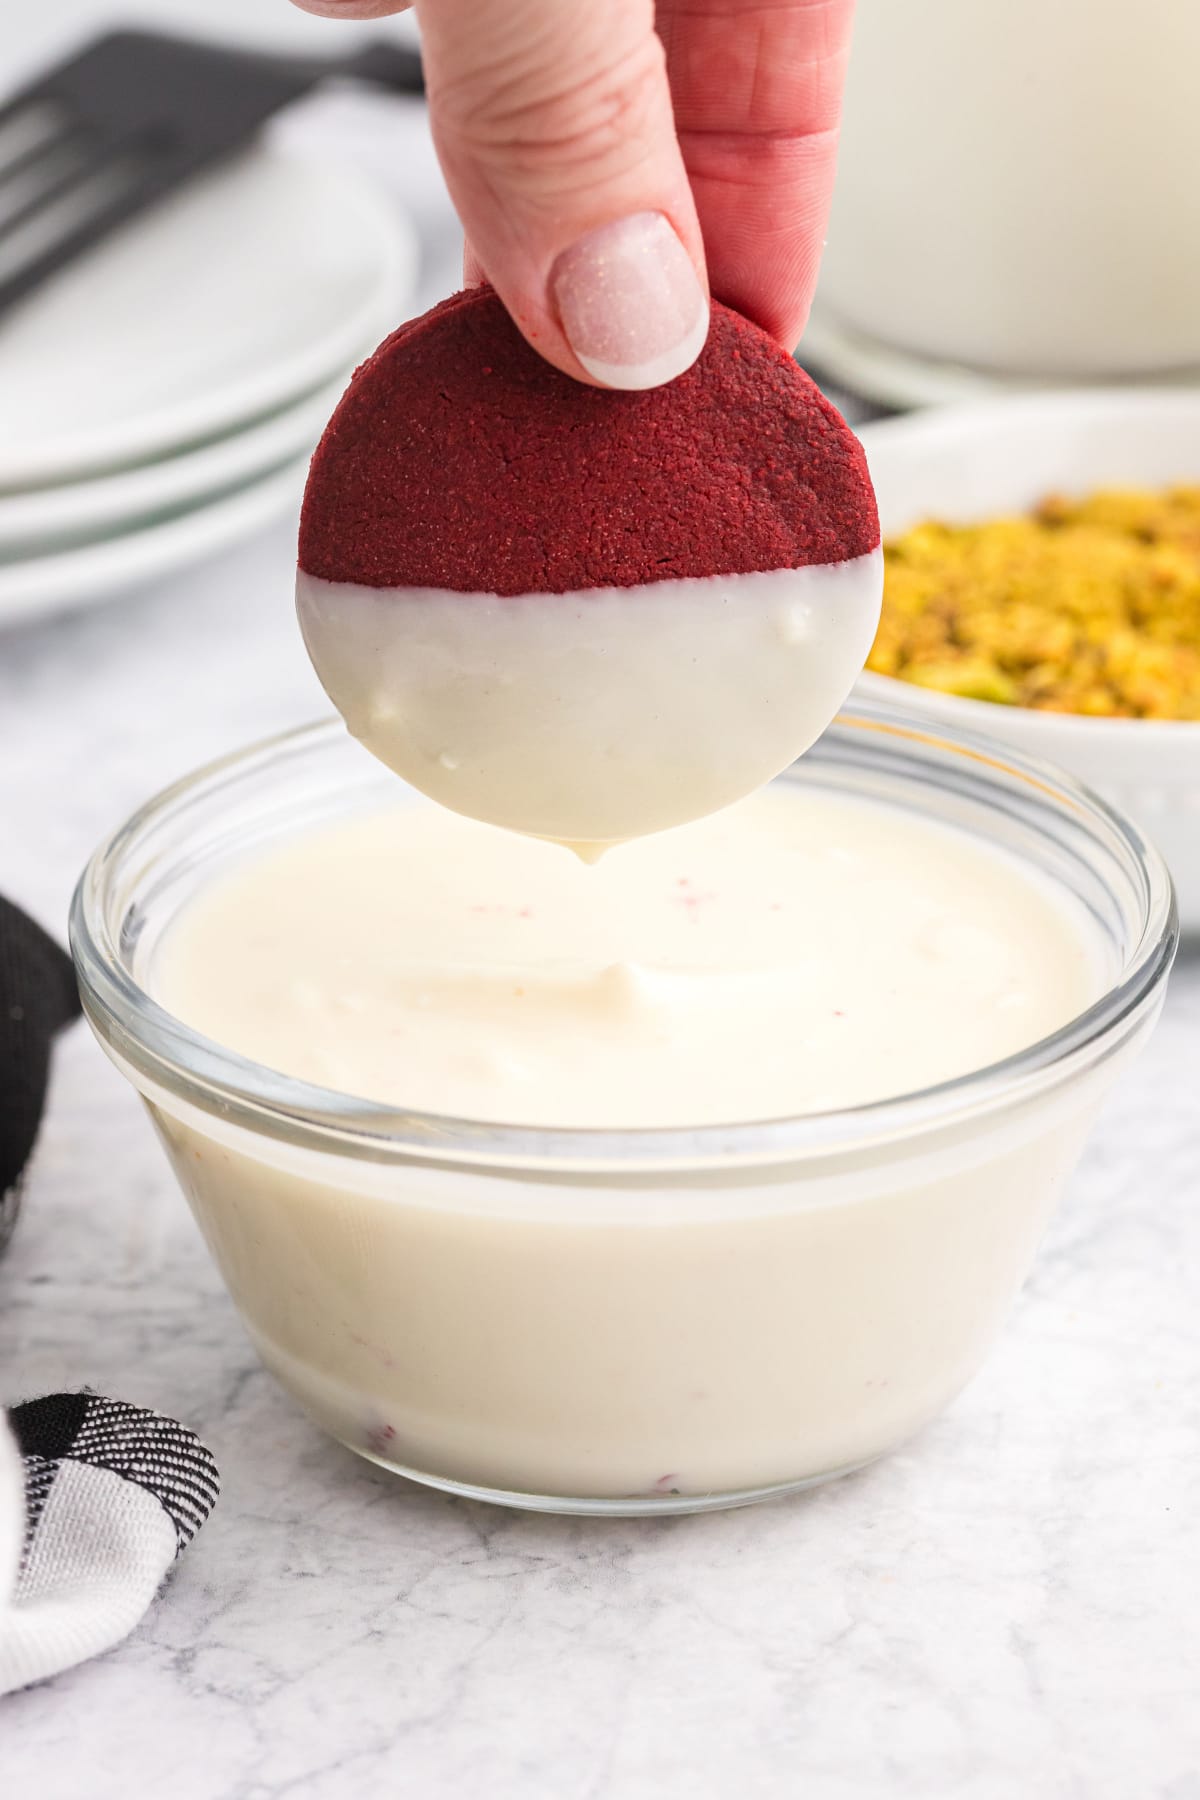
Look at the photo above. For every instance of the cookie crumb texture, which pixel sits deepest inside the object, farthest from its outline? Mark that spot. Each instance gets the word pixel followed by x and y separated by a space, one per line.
pixel 458 458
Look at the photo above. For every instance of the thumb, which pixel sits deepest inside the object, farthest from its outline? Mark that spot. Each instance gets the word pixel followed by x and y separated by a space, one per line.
pixel 553 122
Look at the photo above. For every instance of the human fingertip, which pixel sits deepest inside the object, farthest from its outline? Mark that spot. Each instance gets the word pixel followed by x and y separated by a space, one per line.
pixel 630 302
pixel 353 9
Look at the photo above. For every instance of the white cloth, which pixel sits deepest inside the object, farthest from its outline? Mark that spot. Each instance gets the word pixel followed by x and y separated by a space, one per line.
pixel 96 1501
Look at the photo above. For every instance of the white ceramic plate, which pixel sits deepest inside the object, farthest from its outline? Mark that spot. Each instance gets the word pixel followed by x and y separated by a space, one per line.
pixel 95 571
pixel 973 462
pixel 873 370
pixel 52 519
pixel 248 290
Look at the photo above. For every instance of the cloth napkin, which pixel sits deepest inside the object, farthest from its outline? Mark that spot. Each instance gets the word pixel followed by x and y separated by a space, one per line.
pixel 37 998
pixel 97 1499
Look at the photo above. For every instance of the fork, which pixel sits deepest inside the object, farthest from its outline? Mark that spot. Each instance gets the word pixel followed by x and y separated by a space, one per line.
pixel 132 117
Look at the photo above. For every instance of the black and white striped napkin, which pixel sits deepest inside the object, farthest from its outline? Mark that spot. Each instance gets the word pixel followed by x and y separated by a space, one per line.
pixel 37 998
pixel 97 1499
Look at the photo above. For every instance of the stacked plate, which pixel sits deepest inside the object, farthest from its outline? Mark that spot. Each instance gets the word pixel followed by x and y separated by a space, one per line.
pixel 160 398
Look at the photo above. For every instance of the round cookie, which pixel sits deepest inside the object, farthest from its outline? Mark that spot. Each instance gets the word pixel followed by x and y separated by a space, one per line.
pixel 579 613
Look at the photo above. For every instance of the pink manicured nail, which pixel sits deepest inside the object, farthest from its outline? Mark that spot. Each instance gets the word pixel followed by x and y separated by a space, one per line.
pixel 631 307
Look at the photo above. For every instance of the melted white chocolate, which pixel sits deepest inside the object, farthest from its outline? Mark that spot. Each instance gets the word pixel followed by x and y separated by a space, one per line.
pixel 594 717
pixel 800 951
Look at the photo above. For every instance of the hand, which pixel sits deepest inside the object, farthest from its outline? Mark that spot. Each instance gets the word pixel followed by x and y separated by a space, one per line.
pixel 594 154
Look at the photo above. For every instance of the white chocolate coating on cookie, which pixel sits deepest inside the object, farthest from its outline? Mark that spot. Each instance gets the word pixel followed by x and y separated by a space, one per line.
pixel 598 716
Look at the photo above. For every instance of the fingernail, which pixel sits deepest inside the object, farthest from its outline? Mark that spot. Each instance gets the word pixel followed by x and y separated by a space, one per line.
pixel 631 307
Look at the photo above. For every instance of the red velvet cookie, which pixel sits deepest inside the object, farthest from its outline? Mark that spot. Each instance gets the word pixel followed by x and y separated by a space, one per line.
pixel 459 458
pixel 721 530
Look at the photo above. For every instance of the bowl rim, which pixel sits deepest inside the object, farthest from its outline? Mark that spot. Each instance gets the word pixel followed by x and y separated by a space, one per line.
pixel 948 709
pixel 167 1058
pixel 969 418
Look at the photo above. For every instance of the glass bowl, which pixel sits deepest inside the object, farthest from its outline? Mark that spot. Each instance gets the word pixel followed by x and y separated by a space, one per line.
pixel 622 1321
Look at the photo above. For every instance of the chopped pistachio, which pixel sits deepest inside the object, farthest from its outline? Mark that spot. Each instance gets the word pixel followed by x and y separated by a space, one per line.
pixel 1086 605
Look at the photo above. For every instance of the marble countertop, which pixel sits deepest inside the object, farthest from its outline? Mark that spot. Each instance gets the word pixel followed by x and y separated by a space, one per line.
pixel 1003 1608
pixel 1006 1607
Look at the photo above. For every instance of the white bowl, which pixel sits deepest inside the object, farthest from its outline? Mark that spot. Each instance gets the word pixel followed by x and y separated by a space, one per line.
pixel 973 462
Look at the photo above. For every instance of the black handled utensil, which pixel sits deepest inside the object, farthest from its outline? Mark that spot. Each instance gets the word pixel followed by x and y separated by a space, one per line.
pixel 131 118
